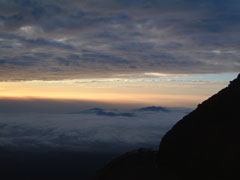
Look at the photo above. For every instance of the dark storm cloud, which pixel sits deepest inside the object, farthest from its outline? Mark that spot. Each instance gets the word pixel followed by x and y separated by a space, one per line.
pixel 105 38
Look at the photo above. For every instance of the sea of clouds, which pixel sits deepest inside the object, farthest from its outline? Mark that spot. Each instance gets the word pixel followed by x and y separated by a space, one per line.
pixel 83 128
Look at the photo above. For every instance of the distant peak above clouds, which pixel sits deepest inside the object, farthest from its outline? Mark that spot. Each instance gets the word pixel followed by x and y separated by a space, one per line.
pixel 117 112
pixel 102 112
pixel 153 108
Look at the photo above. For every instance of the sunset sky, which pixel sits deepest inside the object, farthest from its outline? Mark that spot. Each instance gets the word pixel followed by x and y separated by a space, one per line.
pixel 109 76
pixel 172 90
pixel 85 81
pixel 151 52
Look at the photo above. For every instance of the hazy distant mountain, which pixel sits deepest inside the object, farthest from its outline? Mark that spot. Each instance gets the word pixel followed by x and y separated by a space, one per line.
pixel 102 112
pixel 204 145
pixel 116 112
pixel 153 108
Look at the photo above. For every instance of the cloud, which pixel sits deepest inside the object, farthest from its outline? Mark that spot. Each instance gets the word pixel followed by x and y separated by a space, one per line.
pixel 92 39
pixel 36 42
pixel 40 125
pixel 83 132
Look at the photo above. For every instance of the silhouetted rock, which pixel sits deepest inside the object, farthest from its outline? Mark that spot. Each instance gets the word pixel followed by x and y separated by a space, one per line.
pixel 206 143
pixel 139 165
pixel 154 108
pixel 102 112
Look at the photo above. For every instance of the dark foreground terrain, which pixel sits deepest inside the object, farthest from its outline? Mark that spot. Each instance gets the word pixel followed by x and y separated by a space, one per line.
pixel 50 165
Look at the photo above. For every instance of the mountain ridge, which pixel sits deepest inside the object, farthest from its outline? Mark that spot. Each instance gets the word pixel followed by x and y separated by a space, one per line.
pixel 205 142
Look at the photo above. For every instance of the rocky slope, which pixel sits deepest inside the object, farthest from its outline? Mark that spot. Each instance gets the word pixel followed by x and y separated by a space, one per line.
pixel 206 143
pixel 139 164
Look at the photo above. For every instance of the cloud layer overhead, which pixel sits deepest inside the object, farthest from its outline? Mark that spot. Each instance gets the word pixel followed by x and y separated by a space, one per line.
pixel 70 39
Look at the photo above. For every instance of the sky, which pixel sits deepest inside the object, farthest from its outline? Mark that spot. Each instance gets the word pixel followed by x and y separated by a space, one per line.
pixel 109 75
pixel 159 52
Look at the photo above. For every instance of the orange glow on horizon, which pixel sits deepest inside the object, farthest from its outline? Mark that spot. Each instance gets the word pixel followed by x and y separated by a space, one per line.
pixel 163 100
pixel 171 95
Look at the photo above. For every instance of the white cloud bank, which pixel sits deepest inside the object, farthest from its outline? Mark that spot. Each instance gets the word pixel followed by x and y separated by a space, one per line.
pixel 85 132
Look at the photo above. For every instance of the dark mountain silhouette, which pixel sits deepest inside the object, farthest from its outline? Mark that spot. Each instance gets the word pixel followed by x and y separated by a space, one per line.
pixel 135 165
pixel 115 113
pixel 153 108
pixel 204 145
pixel 102 112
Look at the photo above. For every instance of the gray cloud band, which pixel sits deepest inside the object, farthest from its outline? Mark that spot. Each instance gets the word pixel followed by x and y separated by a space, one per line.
pixel 53 40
